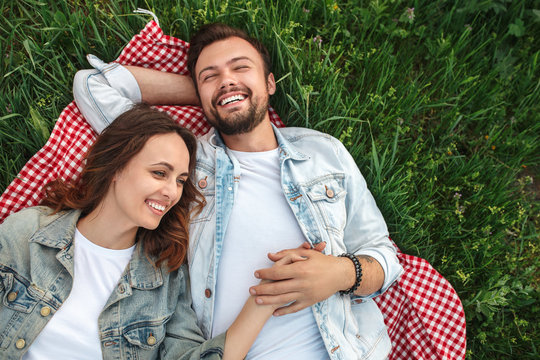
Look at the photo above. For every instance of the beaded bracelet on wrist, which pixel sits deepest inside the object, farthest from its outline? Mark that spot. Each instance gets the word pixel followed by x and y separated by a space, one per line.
pixel 358 272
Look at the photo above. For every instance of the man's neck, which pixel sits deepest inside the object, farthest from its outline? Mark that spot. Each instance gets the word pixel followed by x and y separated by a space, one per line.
pixel 261 138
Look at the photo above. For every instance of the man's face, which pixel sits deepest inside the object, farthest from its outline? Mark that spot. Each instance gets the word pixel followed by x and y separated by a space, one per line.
pixel 233 88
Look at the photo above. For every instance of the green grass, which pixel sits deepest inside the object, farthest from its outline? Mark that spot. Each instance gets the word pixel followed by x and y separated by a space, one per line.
pixel 440 110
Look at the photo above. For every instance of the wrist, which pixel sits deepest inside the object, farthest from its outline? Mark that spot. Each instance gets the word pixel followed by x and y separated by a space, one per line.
pixel 354 274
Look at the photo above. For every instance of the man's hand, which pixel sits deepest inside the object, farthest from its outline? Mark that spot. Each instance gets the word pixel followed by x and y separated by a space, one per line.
pixel 302 277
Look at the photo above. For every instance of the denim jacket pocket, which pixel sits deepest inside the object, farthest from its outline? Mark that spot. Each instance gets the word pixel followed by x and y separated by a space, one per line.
pixel 146 335
pixel 18 294
pixel 18 301
pixel 327 195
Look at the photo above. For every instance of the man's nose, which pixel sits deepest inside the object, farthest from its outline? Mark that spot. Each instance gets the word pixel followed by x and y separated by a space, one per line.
pixel 227 79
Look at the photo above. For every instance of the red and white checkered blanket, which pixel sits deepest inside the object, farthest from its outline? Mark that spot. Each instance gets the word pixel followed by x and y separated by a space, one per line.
pixel 423 313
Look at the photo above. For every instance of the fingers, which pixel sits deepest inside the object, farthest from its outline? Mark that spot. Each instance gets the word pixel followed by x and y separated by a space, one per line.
pixel 289 259
pixel 292 308
pixel 276 288
pixel 320 246
pixel 302 250
pixel 305 245
pixel 277 300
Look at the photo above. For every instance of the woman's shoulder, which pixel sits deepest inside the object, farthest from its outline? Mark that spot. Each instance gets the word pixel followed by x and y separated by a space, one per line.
pixel 29 216
pixel 28 221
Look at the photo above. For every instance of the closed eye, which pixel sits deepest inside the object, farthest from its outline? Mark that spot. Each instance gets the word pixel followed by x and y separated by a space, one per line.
pixel 208 77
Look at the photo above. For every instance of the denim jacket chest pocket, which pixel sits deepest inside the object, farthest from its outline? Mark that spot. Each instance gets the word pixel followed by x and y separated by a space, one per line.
pixel 145 336
pixel 327 195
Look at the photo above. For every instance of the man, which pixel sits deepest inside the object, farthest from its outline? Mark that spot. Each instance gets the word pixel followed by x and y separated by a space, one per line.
pixel 267 189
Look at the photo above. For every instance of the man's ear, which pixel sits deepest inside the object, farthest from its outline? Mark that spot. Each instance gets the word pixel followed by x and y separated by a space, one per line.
pixel 271 84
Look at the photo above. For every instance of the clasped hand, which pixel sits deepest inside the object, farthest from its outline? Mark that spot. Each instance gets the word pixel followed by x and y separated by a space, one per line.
pixel 300 278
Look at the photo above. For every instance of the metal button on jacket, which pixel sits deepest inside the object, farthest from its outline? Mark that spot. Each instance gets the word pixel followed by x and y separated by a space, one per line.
pixel 19 344
pixel 151 340
pixel 12 296
pixel 202 183
pixel 330 193
pixel 45 311
pixel 207 293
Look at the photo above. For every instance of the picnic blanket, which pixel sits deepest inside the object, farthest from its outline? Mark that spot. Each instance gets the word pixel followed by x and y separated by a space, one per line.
pixel 423 313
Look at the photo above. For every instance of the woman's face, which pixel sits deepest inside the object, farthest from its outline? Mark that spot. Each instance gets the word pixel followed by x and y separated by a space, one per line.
pixel 151 183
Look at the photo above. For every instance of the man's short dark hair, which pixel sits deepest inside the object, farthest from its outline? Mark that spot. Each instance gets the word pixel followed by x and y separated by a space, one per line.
pixel 210 33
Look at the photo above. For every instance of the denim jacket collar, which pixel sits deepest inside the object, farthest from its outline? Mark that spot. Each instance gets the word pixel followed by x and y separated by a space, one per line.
pixel 287 149
pixel 59 233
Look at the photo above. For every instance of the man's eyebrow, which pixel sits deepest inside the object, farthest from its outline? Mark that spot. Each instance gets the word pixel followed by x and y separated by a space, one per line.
pixel 213 67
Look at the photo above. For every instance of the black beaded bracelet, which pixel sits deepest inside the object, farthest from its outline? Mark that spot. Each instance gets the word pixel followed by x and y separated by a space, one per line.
pixel 358 270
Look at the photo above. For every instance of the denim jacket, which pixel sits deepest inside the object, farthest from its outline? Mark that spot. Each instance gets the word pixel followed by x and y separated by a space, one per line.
pixel 323 187
pixel 36 268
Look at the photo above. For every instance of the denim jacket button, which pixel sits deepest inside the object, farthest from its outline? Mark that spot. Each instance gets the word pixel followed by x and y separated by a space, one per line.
pixel 45 311
pixel 208 293
pixel 121 288
pixel 19 344
pixel 151 340
pixel 12 296
pixel 203 183
pixel 330 193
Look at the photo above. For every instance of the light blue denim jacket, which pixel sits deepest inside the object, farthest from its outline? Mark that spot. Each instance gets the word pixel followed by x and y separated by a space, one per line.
pixel 311 164
pixel 36 273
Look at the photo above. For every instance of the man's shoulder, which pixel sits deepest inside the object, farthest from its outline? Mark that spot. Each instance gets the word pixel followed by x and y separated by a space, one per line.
pixel 304 138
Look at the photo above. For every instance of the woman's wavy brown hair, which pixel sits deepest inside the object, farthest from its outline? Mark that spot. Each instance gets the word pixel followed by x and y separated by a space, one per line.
pixel 113 149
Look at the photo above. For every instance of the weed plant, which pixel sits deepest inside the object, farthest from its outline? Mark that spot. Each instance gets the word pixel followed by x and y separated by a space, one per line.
pixel 438 101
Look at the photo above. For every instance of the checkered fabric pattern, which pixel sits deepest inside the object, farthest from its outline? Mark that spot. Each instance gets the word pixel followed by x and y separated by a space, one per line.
pixel 423 313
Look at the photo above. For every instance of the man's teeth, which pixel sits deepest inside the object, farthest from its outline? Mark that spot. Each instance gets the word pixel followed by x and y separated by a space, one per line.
pixel 231 99
pixel 156 206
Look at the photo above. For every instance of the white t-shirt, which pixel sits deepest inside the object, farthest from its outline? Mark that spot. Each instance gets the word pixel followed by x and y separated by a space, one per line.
pixel 261 222
pixel 72 333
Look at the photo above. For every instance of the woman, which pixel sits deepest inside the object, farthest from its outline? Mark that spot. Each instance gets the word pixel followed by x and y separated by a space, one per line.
pixel 96 272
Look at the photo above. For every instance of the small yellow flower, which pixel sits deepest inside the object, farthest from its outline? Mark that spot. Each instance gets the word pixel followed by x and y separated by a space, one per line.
pixel 524 166
pixel 487 137
pixel 336 7
pixel 493 147
pixel 449 152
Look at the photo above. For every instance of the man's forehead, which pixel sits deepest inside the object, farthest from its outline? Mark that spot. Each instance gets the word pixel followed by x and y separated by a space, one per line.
pixel 226 50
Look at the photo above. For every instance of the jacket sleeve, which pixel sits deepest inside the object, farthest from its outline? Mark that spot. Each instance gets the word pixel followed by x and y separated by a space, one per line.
pixel 105 92
pixel 184 339
pixel 365 229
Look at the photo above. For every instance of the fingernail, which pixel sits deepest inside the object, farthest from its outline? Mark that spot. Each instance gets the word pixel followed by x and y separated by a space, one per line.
pixel 257 274
pixel 252 292
pixel 259 301
pixel 277 313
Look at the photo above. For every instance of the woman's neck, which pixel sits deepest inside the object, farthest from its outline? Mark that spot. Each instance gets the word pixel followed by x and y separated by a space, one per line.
pixel 104 230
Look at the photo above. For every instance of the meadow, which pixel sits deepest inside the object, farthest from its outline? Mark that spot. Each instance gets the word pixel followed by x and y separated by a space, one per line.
pixel 438 102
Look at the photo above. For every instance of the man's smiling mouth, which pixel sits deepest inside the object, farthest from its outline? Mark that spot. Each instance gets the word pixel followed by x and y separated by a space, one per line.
pixel 232 99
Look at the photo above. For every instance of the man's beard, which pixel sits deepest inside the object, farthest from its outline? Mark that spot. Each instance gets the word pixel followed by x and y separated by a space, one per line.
pixel 239 122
